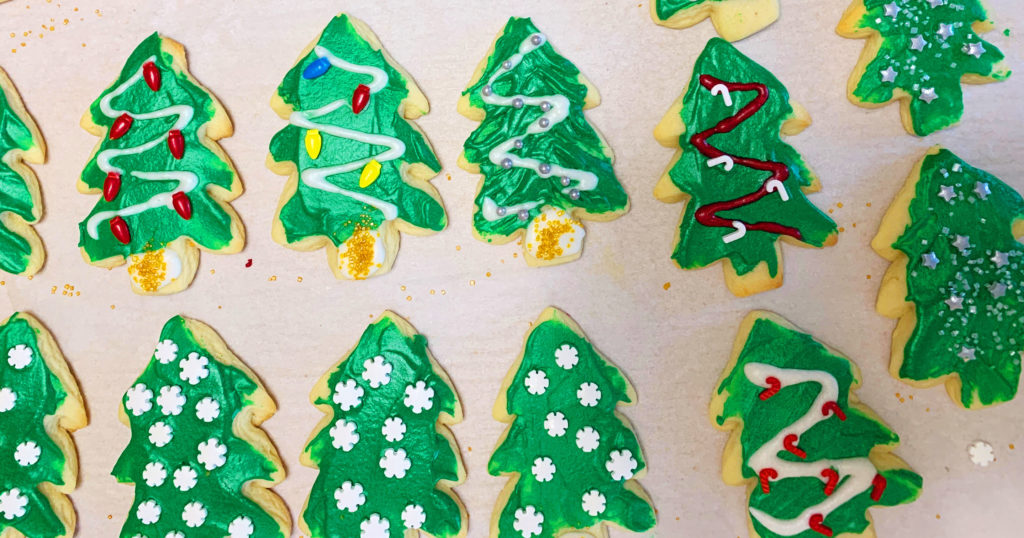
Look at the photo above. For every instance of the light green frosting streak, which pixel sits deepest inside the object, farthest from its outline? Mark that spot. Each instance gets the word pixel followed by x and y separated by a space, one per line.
pixel 15 197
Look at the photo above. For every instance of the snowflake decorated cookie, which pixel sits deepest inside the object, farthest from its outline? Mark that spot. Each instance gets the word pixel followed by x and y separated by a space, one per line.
pixel 813 457
pixel 956 282
pixel 40 405
pixel 386 458
pixel 574 462
pixel 744 189
pixel 733 19
pixel 544 166
pixel 919 52
pixel 358 169
pixel 197 458
pixel 164 181
pixel 21 251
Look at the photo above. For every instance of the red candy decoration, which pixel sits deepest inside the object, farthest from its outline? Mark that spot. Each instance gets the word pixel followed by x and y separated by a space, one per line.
pixel 832 477
pixel 773 388
pixel 360 98
pixel 766 475
pixel 834 408
pixel 121 126
pixel 176 143
pixel 817 524
pixel 878 484
pixel 152 75
pixel 182 204
pixel 789 443
pixel 120 230
pixel 111 186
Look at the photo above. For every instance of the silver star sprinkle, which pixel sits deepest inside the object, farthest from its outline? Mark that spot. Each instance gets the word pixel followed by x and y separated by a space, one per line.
pixel 982 190
pixel 954 302
pixel 975 49
pixel 929 260
pixel 891 10
pixel 997 289
pixel 966 353
pixel 917 43
pixel 962 243
pixel 945 31
pixel 889 75
pixel 946 192
pixel 928 95
pixel 1000 259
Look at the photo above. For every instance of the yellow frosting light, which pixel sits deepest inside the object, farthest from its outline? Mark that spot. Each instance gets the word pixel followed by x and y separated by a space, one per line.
pixel 369 174
pixel 313 143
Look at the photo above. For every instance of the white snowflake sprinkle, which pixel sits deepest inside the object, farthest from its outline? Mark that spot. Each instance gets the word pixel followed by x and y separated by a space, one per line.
pixel 393 429
pixel 194 368
pixel 589 394
pixel 154 474
pixel 621 464
pixel 587 439
pixel 395 463
pixel 981 453
pixel 166 351
pixel 171 400
pixel 419 398
pixel 349 496
pixel 148 512
pixel 377 371
pixel 185 478
pixel 160 434
pixel 536 382
pixel 375 527
pixel 555 423
pixel 7 399
pixel 194 514
pixel 173 534
pixel 414 517
pixel 567 356
pixel 27 453
pixel 19 356
pixel 543 469
pixel 593 502
pixel 212 454
pixel 241 527
pixel 13 504
pixel 348 394
pixel 528 521
pixel 343 435
pixel 138 399
pixel 207 409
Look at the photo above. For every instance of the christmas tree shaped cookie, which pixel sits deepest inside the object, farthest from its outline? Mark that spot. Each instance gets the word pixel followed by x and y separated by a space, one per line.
pixel 358 170
pixel 200 464
pixel 39 406
pixel 813 458
pixel 387 460
pixel 733 19
pixel 919 52
pixel 956 282
pixel 572 460
pixel 164 181
pixel 744 188
pixel 21 251
pixel 544 166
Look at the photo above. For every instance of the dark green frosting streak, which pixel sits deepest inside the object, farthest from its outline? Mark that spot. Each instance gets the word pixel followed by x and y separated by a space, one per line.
pixel 15 197
pixel 667 8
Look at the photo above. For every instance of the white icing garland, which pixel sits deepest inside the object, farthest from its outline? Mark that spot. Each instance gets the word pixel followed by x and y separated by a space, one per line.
pixel 317 177
pixel 556 110
pixel 855 474
pixel 186 180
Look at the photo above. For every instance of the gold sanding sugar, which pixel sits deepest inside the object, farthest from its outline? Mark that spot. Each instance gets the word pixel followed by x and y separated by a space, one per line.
pixel 149 270
pixel 550 239
pixel 359 253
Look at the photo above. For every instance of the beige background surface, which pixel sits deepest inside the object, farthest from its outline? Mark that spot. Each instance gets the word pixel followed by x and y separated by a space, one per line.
pixel 473 301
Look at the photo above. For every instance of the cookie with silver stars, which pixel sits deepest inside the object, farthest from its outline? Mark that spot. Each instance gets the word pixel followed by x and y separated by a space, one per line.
pixel 955 281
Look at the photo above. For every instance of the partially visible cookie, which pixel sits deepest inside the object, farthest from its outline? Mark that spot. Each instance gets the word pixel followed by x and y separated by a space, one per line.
pixel 956 282
pixel 733 19
pixel 40 405
pixel 21 205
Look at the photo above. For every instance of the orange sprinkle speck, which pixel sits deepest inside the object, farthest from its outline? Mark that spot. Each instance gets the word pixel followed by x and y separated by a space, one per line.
pixel 666 285
pixel 272 278
pixel 937 516
pixel 298 279
pixel 488 274
pixel 868 204
pixel 1011 446
pixel 408 297
pixel 830 210
pixel 112 307
pixel 443 292
pixel 403 288
pixel 868 277
pixel 458 247
pixel 432 292
pixel 212 271
pixel 841 229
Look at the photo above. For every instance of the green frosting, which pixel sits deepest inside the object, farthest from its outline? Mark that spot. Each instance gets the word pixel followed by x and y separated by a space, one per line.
pixel 756 138
pixel 202 468
pixel 951 50
pixel 831 438
pixel 969 307
pixel 666 9
pixel 382 453
pixel 15 195
pixel 152 229
pixel 571 144
pixel 30 394
pixel 314 212
pixel 576 456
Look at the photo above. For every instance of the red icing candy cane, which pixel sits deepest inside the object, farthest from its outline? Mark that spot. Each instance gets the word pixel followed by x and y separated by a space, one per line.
pixel 789 443
pixel 767 474
pixel 817 524
pixel 834 408
pixel 773 388
pixel 832 477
